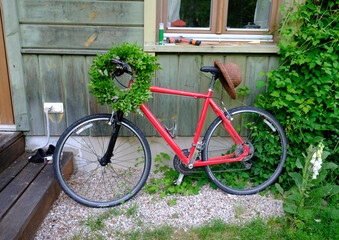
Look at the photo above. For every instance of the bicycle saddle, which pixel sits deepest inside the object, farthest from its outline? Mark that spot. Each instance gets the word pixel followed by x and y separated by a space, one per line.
pixel 210 69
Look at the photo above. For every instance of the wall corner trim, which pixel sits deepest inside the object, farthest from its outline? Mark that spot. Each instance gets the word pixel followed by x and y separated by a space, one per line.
pixel 15 65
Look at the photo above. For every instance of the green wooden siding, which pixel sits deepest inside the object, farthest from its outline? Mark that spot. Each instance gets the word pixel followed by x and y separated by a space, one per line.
pixel 182 72
pixel 64 78
pixel 85 25
pixel 70 28
pixel 122 13
pixel 77 37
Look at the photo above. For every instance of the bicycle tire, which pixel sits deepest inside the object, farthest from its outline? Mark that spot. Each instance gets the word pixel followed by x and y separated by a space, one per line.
pixel 98 186
pixel 259 129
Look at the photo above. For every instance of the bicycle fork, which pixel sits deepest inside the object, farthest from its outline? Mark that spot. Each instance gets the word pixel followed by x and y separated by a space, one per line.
pixel 115 121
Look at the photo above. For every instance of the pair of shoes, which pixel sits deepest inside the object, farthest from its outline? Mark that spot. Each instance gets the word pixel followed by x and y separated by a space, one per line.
pixel 42 156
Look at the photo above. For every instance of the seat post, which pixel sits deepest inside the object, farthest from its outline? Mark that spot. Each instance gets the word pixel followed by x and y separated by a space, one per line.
pixel 214 78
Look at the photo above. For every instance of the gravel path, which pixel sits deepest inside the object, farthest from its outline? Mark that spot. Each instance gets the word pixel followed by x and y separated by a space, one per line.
pixel 68 219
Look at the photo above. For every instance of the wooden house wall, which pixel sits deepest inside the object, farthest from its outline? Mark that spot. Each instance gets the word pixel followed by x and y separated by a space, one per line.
pixel 58 42
pixel 64 78
pixel 58 39
pixel 79 24
pixel 182 72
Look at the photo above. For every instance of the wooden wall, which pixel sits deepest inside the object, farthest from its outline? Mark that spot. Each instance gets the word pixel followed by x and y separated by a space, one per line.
pixel 79 24
pixel 64 78
pixel 58 42
pixel 182 72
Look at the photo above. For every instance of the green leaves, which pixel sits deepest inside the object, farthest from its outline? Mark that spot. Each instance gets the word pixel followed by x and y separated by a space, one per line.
pixel 165 186
pixel 305 199
pixel 303 91
pixel 106 90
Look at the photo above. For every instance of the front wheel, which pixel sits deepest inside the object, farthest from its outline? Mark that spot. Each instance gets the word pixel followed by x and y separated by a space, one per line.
pixel 91 183
pixel 263 134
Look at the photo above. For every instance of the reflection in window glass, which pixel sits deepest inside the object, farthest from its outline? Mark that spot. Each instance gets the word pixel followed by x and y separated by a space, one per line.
pixel 249 14
pixel 189 13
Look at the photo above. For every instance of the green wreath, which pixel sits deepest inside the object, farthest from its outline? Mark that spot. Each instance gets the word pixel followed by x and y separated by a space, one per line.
pixel 104 88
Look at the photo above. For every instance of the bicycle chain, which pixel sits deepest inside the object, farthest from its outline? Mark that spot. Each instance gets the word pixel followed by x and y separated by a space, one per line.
pixel 180 166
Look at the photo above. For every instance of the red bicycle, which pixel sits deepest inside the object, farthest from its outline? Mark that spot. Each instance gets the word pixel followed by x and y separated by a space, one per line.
pixel 243 150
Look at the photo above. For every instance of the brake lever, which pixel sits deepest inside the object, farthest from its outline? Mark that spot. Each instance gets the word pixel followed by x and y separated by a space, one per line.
pixel 125 66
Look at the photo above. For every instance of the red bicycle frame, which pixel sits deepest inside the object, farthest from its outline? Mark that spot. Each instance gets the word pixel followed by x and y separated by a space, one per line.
pixel 208 101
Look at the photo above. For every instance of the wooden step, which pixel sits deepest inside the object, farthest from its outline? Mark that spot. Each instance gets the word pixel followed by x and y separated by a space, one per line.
pixel 27 192
pixel 12 145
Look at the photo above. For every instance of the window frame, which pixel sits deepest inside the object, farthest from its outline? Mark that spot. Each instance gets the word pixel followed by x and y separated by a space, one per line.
pixel 219 10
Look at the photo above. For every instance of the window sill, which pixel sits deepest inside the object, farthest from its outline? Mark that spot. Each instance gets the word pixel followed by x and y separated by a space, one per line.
pixel 216 48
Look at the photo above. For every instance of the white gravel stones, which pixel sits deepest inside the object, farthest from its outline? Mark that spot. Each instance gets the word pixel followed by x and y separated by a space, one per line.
pixel 67 218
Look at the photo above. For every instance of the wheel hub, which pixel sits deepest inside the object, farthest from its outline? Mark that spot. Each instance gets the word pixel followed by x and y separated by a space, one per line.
pixel 251 151
pixel 239 150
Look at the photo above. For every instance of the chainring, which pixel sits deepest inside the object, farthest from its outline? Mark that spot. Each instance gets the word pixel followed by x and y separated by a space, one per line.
pixel 180 166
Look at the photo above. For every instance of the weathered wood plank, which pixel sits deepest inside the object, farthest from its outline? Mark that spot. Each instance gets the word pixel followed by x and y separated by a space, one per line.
pixel 7 139
pixel 255 65
pixel 23 220
pixel 165 106
pixel 241 61
pixel 77 37
pixel 34 94
pixel 10 173
pixel 6 109
pixel 53 90
pixel 189 80
pixel 8 155
pixel 13 191
pixel 75 88
pixel 15 68
pixel 94 107
pixel 79 12
pixel 48 195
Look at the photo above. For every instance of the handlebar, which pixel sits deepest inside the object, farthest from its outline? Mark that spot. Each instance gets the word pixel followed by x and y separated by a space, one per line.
pixel 125 67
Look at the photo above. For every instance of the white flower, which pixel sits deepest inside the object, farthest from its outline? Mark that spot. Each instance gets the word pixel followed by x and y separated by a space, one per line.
pixel 317 160
pixel 314 158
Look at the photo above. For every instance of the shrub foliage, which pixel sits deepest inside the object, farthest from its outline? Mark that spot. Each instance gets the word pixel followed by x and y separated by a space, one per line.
pixel 303 91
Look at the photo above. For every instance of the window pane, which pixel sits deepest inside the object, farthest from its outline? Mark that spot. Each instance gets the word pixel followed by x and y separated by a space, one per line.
pixel 189 13
pixel 248 14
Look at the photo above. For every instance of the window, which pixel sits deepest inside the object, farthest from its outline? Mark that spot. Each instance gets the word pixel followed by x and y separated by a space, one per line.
pixel 219 20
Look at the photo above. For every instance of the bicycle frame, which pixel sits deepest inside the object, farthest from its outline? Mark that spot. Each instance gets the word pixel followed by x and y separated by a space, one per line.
pixel 208 101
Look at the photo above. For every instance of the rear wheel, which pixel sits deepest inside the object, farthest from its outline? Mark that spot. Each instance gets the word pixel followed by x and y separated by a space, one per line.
pixel 92 184
pixel 266 139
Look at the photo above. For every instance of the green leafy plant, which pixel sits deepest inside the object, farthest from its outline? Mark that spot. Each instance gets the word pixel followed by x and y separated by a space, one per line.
pixel 243 90
pixel 303 91
pixel 165 186
pixel 106 90
pixel 305 199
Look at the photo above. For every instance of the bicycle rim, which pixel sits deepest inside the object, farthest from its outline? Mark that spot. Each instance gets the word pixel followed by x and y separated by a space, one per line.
pixel 262 133
pixel 90 183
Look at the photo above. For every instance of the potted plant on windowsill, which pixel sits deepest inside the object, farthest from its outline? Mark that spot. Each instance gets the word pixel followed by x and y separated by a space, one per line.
pixel 105 89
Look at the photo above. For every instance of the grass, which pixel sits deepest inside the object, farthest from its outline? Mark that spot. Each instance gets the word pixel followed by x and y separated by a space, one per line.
pixel 279 228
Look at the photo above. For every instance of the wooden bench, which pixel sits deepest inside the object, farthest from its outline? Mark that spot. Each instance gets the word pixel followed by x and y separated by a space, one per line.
pixel 27 192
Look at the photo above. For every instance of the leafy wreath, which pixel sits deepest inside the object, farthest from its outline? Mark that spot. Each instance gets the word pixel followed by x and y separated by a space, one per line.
pixel 104 88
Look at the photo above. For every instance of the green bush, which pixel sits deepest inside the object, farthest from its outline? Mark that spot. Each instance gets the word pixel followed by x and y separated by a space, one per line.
pixel 303 91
